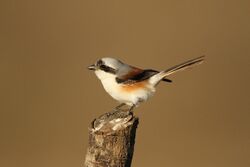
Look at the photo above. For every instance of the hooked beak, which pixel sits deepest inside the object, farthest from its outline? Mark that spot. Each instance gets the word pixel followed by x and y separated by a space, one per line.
pixel 92 67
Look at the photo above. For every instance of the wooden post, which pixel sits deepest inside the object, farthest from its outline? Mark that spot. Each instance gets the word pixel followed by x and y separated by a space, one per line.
pixel 111 140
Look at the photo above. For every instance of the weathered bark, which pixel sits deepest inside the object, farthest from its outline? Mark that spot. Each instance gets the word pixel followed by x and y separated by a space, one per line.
pixel 111 140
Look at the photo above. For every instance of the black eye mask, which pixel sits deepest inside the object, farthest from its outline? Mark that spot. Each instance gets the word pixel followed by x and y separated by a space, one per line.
pixel 107 69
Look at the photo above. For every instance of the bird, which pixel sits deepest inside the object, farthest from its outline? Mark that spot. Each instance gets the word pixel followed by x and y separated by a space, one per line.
pixel 130 85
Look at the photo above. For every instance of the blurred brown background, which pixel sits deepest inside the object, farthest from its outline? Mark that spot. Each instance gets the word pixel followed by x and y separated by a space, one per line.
pixel 48 98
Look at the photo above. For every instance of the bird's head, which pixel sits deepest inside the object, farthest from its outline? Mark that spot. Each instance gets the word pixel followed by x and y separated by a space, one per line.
pixel 107 66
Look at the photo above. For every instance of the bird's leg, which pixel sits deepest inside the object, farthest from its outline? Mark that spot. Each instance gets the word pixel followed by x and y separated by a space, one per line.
pixel 119 106
pixel 131 108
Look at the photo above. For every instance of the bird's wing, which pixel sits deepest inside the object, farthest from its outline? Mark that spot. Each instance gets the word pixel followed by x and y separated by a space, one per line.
pixel 138 75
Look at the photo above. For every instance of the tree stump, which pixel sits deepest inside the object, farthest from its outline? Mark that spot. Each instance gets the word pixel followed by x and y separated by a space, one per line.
pixel 111 140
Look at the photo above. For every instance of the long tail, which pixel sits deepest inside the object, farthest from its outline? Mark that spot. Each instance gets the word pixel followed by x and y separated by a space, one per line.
pixel 188 64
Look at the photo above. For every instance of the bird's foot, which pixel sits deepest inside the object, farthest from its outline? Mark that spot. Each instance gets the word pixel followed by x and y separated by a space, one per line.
pixel 121 107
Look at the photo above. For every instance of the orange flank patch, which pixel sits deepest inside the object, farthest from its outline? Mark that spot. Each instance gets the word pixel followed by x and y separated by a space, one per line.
pixel 134 86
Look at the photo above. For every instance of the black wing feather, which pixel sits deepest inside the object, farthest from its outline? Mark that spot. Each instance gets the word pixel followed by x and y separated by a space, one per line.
pixel 145 74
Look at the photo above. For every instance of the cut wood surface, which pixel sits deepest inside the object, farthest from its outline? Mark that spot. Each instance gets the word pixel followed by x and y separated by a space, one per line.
pixel 111 140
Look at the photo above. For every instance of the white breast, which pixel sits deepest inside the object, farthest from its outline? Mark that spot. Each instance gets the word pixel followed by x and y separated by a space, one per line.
pixel 115 90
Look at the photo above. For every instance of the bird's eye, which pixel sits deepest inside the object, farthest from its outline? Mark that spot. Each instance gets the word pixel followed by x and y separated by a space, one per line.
pixel 104 67
pixel 107 69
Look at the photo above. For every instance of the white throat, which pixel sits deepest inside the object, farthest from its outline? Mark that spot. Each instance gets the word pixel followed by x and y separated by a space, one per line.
pixel 102 75
pixel 108 82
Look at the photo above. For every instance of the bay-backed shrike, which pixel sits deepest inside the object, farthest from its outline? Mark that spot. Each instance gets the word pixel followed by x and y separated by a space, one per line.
pixel 131 85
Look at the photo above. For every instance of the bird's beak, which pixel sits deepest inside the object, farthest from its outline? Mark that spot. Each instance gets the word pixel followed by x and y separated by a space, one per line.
pixel 92 67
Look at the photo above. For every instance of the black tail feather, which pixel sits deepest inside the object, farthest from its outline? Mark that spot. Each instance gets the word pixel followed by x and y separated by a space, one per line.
pixel 167 80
